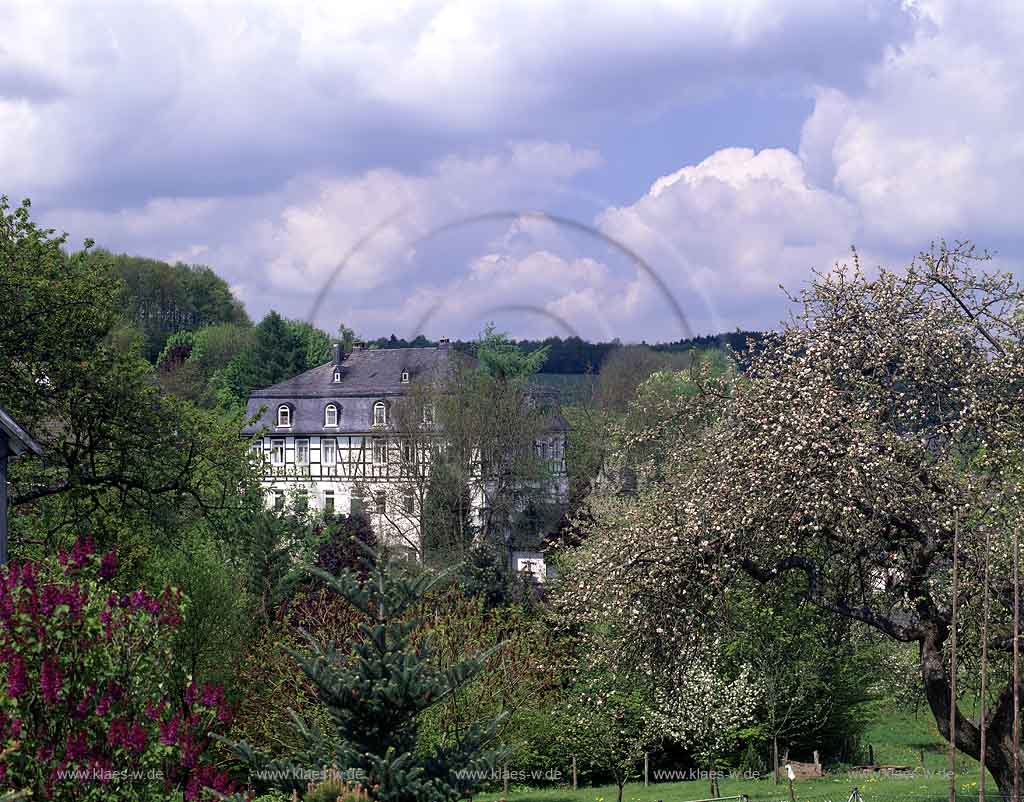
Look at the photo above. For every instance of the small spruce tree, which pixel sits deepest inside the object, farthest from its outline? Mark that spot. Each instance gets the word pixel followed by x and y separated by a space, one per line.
pixel 375 690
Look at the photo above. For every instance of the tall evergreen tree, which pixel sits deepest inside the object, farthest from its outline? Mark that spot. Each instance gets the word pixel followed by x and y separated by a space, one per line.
pixel 375 691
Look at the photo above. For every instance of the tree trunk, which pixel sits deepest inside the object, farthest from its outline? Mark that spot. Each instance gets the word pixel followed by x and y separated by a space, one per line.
pixel 620 783
pixel 775 758
pixel 998 741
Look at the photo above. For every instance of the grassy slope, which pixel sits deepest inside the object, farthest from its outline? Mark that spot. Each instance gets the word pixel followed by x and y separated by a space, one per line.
pixel 898 738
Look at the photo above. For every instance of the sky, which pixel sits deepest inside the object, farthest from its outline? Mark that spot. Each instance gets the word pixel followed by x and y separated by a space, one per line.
pixel 640 170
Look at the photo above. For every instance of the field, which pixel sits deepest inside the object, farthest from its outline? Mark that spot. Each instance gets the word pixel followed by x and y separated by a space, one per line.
pixel 898 738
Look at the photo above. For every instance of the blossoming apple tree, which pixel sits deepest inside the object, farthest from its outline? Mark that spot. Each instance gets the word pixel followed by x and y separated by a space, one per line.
pixel 883 424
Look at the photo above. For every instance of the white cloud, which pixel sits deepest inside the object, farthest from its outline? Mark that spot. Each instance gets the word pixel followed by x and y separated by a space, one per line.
pixel 182 99
pixel 935 145
pixel 723 234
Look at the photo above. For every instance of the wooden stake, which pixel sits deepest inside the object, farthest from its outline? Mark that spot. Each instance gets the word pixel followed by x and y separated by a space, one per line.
pixel 574 772
pixel 646 757
pixel 984 670
pixel 952 661
pixel 1016 664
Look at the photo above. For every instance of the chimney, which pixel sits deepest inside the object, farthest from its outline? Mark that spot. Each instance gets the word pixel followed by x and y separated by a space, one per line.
pixel 443 343
pixel 339 354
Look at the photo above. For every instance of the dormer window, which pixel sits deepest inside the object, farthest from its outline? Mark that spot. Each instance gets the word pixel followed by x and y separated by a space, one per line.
pixel 284 415
pixel 337 375
pixel 380 414
pixel 405 377
pixel 428 413
pixel 331 415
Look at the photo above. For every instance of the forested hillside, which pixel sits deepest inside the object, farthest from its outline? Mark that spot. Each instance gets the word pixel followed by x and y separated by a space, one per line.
pixel 207 350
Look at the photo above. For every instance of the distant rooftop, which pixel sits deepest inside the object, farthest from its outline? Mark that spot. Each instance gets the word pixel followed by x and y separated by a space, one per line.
pixel 364 372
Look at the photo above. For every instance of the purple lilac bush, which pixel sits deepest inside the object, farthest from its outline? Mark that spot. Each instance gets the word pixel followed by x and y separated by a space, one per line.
pixel 86 709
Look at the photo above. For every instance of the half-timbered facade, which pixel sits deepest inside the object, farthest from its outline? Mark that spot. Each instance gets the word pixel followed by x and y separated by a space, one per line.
pixel 327 439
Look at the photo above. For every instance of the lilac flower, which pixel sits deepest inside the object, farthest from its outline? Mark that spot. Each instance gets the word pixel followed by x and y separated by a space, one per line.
pixel 51 678
pixel 169 731
pixel 136 740
pixel 17 682
pixel 109 565
pixel 76 747
pixel 117 735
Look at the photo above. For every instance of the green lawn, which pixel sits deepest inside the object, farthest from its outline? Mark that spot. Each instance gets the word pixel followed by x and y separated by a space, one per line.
pixel 898 738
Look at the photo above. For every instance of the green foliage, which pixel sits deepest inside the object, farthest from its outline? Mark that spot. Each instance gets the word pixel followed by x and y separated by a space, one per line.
pixel 162 299
pixel 376 691
pixel 281 349
pixel 502 359
pixel 123 461
pixel 217 618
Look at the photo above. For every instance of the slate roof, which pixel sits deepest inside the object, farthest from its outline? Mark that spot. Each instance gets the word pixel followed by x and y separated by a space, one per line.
pixel 367 376
pixel 363 372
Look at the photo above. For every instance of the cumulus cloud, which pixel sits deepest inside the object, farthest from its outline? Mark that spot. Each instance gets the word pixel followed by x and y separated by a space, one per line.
pixel 269 140
pixel 934 145
pixel 128 101
pixel 724 233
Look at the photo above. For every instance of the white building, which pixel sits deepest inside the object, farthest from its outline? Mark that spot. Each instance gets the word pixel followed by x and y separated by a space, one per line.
pixel 327 438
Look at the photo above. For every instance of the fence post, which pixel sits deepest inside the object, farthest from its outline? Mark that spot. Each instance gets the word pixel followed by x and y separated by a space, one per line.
pixel 574 772
pixel 646 755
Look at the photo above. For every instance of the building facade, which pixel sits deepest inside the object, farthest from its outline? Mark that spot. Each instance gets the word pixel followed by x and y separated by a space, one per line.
pixel 338 439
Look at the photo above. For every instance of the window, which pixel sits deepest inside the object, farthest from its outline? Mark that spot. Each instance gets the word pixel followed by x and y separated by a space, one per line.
pixel 407 451
pixel 331 415
pixel 337 376
pixel 405 377
pixel 328 451
pixel 278 500
pixel 380 451
pixel 302 452
pixel 380 503
pixel 284 415
pixel 409 502
pixel 256 450
pixel 542 449
pixel 380 414
pixel 329 502
pixel 277 451
pixel 301 501
pixel 428 413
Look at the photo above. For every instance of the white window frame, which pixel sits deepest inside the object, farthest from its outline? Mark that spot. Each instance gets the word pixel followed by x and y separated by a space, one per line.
pixel 284 416
pixel 408 452
pixel 302 444
pixel 337 376
pixel 329 496
pixel 382 418
pixel 279 499
pixel 405 377
pixel 381 444
pixel 328 445
pixel 278 452
pixel 428 414
pixel 327 415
